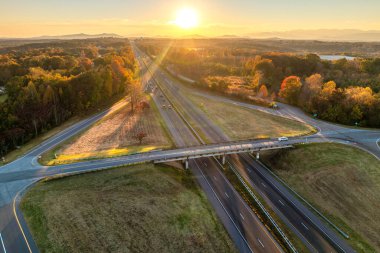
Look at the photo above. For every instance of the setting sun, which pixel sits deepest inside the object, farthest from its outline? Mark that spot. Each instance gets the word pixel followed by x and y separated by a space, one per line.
pixel 186 18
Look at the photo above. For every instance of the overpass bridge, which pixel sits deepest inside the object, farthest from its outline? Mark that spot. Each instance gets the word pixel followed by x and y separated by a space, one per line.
pixel 220 150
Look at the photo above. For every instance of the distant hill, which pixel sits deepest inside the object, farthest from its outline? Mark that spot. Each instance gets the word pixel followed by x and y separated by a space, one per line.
pixel 322 34
pixel 228 36
pixel 79 36
pixel 69 37
pixel 194 36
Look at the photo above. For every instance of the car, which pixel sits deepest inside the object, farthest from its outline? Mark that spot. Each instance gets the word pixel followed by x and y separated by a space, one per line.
pixel 283 138
pixel 163 106
pixel 169 106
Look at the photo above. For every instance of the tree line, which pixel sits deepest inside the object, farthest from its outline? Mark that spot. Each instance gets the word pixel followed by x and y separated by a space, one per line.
pixel 344 91
pixel 48 83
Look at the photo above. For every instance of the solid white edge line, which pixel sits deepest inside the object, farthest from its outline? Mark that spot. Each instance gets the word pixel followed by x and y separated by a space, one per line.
pixel 2 243
pixel 225 210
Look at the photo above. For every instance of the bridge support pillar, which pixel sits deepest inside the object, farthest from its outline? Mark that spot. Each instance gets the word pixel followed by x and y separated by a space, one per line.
pixel 223 159
pixel 187 164
pixel 257 156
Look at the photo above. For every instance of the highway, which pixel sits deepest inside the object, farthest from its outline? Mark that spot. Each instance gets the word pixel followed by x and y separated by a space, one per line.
pixel 315 234
pixel 248 233
pixel 246 230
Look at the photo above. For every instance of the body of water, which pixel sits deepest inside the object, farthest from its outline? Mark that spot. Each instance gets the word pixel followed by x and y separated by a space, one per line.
pixel 336 57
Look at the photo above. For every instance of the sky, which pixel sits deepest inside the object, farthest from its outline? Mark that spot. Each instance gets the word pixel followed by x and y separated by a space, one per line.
pixel 28 18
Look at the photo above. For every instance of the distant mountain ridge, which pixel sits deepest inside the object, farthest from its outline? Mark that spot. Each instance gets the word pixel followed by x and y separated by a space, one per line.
pixel 348 35
pixel 322 34
pixel 69 37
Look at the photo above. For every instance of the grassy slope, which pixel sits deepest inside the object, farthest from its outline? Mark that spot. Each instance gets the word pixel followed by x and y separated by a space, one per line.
pixel 48 158
pixel 342 181
pixel 142 208
pixel 241 123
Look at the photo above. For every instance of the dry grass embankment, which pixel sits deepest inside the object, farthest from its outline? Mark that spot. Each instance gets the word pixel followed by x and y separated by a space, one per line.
pixel 114 135
pixel 341 181
pixel 243 123
pixel 141 208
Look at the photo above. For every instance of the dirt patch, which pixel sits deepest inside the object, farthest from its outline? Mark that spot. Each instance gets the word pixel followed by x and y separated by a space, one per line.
pixel 119 131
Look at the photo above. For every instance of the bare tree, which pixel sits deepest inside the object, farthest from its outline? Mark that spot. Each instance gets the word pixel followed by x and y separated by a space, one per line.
pixel 140 136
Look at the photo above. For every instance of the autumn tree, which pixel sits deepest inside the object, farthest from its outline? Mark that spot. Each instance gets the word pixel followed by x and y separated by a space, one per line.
pixel 140 136
pixel 310 89
pixel 263 91
pixel 290 89
pixel 135 94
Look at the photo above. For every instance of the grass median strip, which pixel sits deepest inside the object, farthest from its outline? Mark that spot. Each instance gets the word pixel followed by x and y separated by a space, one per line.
pixel 343 182
pixel 141 208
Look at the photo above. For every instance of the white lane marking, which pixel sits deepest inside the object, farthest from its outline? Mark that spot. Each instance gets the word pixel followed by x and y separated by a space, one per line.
pixel 226 194
pixel 2 243
pixel 281 202
pixel 241 216
pixel 262 245
pixel 215 178
pixel 249 170
pixel 229 216
pixel 248 208
pixel 263 184
pixel 304 226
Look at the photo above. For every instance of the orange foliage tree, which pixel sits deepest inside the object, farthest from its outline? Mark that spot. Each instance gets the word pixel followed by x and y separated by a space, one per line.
pixel 290 89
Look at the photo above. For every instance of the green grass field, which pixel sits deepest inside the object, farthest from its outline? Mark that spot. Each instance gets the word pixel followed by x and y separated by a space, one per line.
pixel 141 208
pixel 243 123
pixel 341 181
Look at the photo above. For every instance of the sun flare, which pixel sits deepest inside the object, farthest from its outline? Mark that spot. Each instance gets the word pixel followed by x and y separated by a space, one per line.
pixel 186 18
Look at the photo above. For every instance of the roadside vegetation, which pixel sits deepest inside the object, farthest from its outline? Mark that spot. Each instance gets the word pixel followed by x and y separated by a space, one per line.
pixel 48 83
pixel 122 133
pixel 342 91
pixel 18 152
pixel 243 123
pixel 341 181
pixel 141 208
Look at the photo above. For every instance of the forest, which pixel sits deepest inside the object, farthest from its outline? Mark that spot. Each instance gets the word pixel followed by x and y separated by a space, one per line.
pixel 343 91
pixel 47 83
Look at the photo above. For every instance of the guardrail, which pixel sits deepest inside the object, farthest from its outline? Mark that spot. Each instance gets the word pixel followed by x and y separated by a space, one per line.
pixel 345 235
pixel 218 151
pixel 263 209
